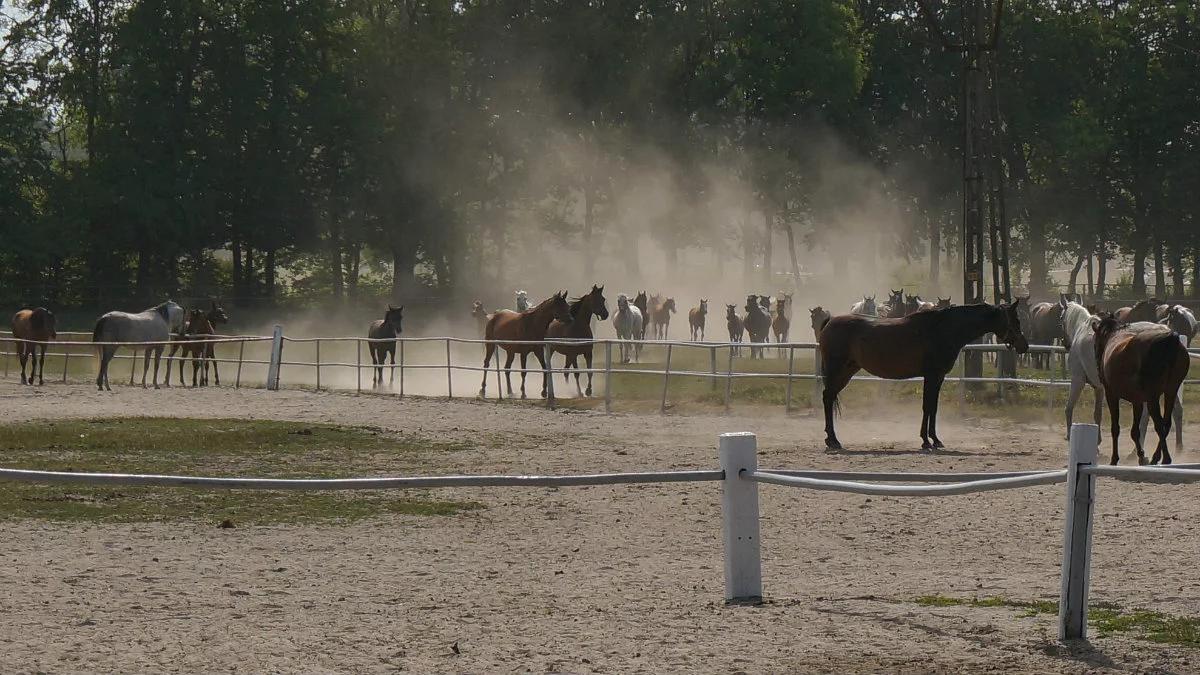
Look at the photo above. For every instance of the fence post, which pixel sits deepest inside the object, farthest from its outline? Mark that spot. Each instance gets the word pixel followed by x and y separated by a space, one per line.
pixel 12 347
pixel 133 368
pixel 1077 535
pixel 276 358
pixel 358 366
pixel 449 378
pixel 1050 394
pixel 666 381
pixel 67 359
pixel 739 518
pixel 818 381
pixel 787 402
pixel 548 375
pixel 402 369
pixel 729 378
pixel 318 364
pixel 608 376
pixel 712 366
pixel 237 381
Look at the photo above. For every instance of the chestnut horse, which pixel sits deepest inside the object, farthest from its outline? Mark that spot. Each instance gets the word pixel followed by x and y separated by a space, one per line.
pixel 35 325
pixel 924 344
pixel 895 306
pixel 660 314
pixel 195 327
pixel 522 327
pixel 942 303
pixel 733 322
pixel 1142 310
pixel 1140 364
pixel 780 323
pixel 579 328
pixel 819 316
pixel 696 319
pixel 214 317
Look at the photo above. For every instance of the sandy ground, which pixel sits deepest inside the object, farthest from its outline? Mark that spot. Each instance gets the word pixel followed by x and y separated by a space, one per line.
pixel 621 579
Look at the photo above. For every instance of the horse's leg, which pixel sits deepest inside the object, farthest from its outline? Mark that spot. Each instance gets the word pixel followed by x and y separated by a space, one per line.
pixel 170 358
pixel 1134 435
pixel 212 356
pixel 934 397
pixel 1178 415
pixel 1098 394
pixel 392 375
pixel 508 371
pixel 1172 408
pixel 838 379
pixel 524 371
pixel 1073 398
pixel 42 366
pixel 488 350
pixel 1162 427
pixel 195 370
pixel 574 363
pixel 157 360
pixel 1114 417
pixel 23 356
pixel 587 357
pixel 546 375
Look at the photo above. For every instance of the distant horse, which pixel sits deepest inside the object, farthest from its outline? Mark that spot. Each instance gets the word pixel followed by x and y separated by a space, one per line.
pixel 152 325
pixel 523 327
pixel 819 317
pixel 522 302
pixel 942 303
pixel 864 307
pixel 1139 365
pixel 579 327
pixel 915 304
pixel 628 323
pixel 779 322
pixel 1142 310
pixel 660 315
pixel 388 328
pixel 214 316
pixel 696 316
pixel 758 324
pixel 925 344
pixel 1181 320
pixel 480 315
pixel 643 305
pixel 196 326
pixel 894 307
pixel 35 325
pixel 733 322
pixel 1045 327
pixel 787 303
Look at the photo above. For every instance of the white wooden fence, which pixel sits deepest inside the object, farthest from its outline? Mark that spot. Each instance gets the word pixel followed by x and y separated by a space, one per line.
pixel 740 476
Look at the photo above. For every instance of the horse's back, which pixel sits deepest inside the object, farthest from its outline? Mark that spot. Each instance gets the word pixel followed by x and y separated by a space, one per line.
pixel 1138 356
pixel 22 324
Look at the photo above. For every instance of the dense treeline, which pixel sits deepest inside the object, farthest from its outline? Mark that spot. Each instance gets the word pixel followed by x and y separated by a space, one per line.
pixel 309 148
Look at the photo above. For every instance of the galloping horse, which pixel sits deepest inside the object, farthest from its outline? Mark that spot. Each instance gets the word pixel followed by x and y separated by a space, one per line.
pixel 696 317
pixel 780 323
pixel 580 328
pixel 864 307
pixel 523 327
pixel 1142 310
pixel 819 317
pixel 758 324
pixel 152 325
pixel 895 306
pixel 733 323
pixel 480 315
pixel 628 323
pixel 35 325
pixel 646 304
pixel 924 344
pixel 660 314
pixel 1140 364
pixel 388 328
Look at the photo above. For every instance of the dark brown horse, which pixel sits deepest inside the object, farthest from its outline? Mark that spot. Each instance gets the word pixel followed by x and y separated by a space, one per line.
pixel 388 328
pixel 894 307
pixel 579 328
pixel 1139 364
pixel 696 316
pixel 215 316
pixel 195 327
pixel 522 327
pixel 647 311
pixel 1142 310
pixel 819 316
pixel 737 330
pixel 36 325
pixel 779 323
pixel 757 323
pixel 942 303
pixel 924 344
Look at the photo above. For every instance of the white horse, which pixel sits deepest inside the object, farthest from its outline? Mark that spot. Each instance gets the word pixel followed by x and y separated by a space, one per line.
pixel 153 326
pixel 523 301
pixel 865 307
pixel 628 322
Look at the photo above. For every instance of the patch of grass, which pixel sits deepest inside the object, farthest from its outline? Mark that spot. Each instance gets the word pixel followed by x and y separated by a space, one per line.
pixel 218 447
pixel 1106 618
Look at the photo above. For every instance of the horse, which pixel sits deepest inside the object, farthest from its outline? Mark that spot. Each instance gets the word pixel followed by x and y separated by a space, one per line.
pixel 780 323
pixel 942 303
pixel 865 307
pixel 696 317
pixel 915 304
pixel 819 317
pixel 733 322
pixel 787 303
pixel 648 313
pixel 579 327
pixel 152 325
pixel 522 303
pixel 925 344
pixel 522 328
pixel 1142 310
pixel 388 328
pixel 758 324
pixel 480 315
pixel 214 317
pixel 1045 327
pixel 1181 320
pixel 197 324
pixel 894 307
pixel 1140 364
pixel 660 314
pixel 37 326
pixel 628 323
pixel 643 305
pixel 1078 325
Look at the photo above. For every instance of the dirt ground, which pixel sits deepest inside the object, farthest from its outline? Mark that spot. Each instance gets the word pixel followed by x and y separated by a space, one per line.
pixel 598 579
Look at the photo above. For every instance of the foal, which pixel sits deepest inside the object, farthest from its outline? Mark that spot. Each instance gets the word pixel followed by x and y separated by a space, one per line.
pixel 386 330
pixel 737 329
pixel 36 326
pixel 696 319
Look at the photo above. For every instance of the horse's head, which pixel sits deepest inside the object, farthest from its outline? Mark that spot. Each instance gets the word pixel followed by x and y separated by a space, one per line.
pixel 1104 329
pixel 1008 329
pixel 1181 320
pixel 477 310
pixel 394 317
pixel 559 307
pixel 216 314
pixel 764 302
pixel 943 303
pixel 731 312
pixel 869 304
pixel 818 315
pixel 622 303
pixel 599 304
pixel 703 305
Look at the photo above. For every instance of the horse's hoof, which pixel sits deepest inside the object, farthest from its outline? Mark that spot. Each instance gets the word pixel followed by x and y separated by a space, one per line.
pixel 926 446
pixel 832 444
pixel 1142 460
pixel 938 444
pixel 523 396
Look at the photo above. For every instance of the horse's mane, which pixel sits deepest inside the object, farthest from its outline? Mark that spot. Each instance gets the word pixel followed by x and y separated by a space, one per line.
pixel 1073 313
pixel 576 305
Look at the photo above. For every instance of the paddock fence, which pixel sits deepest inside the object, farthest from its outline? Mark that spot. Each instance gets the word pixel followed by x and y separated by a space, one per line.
pixel 340 362
pixel 740 476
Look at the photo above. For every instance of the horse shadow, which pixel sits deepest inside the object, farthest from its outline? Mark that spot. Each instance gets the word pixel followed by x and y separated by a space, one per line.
pixel 940 452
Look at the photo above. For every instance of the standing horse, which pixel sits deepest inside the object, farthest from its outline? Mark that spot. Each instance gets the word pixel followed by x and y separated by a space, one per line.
pixel 628 323
pixel 660 314
pixel 758 324
pixel 733 322
pixel 1078 327
pixel 196 326
pixel 388 328
pixel 522 303
pixel 895 306
pixel 942 303
pixel 480 315
pixel 579 327
pixel 1045 327
pixel 207 352
pixel 780 323
pixel 864 307
pixel 819 317
pixel 696 317
pixel 522 327
pixel 1139 365
pixel 152 326
pixel 1181 320
pixel 37 326
pixel 924 344
pixel 1142 310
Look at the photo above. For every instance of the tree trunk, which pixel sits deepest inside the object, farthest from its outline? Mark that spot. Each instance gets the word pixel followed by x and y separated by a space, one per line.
pixel 238 282
pixel 1139 269
pixel 1177 272
pixel 768 247
pixel 1101 269
pixel 336 263
pixel 269 273
pixel 251 276
pixel 935 250
pixel 355 267
pixel 1196 272
pixel 1038 270
pixel 747 249
pixel 403 282
pixel 1160 273
pixel 1071 284
pixel 1091 286
pixel 791 237
pixel 588 257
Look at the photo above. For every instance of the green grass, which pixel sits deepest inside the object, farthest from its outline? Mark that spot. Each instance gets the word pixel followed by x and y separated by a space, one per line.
pixel 1106 618
pixel 219 447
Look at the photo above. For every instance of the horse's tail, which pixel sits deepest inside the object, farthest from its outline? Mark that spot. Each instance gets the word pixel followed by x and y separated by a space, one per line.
pixel 1161 358
pixel 97 336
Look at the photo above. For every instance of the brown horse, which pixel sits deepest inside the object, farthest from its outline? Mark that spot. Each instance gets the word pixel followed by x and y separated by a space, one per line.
pixel 820 316
pixel 942 303
pixel 191 342
pixel 1142 310
pixel 924 344
pixel 520 327
pixel 651 302
pixel 780 323
pixel 1045 327
pixel 37 326
pixel 758 324
pixel 660 314
pixel 579 328
pixel 480 315
pixel 696 319
pixel 388 328
pixel 894 307
pixel 1139 365
pixel 215 316
pixel 733 322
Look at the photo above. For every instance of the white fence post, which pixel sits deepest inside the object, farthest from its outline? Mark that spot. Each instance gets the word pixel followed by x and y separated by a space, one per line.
pixel 318 365
pixel 666 381
pixel 787 403
pixel 729 378
pixel 548 376
pixel 276 358
pixel 739 518
pixel 1077 536
pixel 402 369
pixel 607 376
pixel 237 380
pixel 712 366
pixel 818 381
pixel 67 360
pixel 449 376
